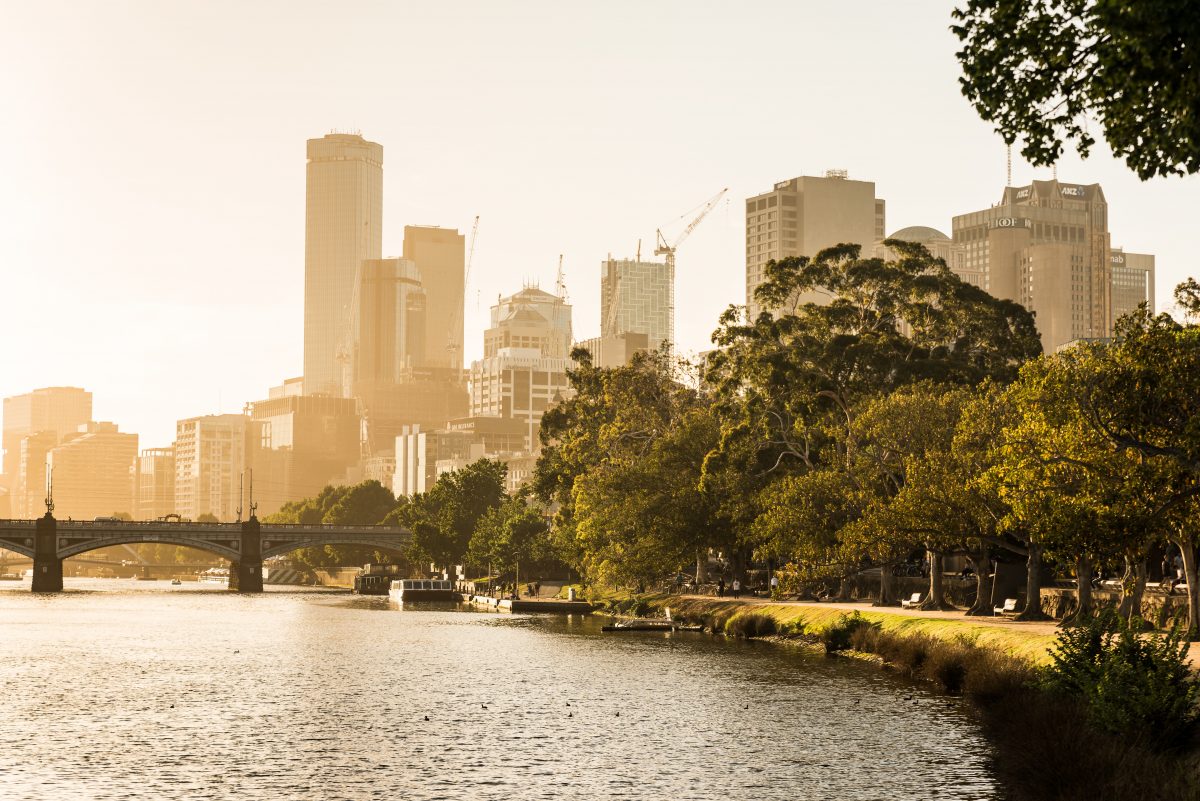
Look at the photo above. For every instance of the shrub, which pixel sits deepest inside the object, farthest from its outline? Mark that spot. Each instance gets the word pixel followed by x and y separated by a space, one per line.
pixel 948 663
pixel 750 625
pixel 838 636
pixel 1131 684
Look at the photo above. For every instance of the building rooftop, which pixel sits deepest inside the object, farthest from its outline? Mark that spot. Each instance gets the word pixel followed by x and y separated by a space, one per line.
pixel 919 233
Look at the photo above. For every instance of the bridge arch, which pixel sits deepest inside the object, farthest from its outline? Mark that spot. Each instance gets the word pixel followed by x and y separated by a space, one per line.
pixel 16 547
pixel 272 548
pixel 143 539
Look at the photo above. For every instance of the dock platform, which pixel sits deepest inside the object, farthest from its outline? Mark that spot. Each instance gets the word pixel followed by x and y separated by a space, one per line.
pixel 532 605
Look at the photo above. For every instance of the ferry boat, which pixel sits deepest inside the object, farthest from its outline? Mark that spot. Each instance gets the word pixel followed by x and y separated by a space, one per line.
pixel 10 577
pixel 423 590
pixel 215 575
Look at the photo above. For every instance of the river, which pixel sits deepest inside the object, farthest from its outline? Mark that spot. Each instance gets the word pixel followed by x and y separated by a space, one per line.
pixel 119 689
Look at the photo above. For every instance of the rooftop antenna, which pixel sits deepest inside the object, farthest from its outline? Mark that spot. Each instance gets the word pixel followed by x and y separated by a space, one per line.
pixel 1055 168
pixel 560 281
pixel 1009 178
pixel 639 251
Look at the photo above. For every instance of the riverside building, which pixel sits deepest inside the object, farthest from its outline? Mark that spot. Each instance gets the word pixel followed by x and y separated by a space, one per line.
pixel 93 472
pixel 804 215
pixel 155 491
pixel 58 411
pixel 210 464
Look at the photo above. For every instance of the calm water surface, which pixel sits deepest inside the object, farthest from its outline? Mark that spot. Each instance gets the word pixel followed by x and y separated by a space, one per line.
pixel 119 690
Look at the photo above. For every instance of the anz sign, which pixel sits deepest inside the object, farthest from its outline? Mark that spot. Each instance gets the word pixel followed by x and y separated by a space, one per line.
pixel 1071 191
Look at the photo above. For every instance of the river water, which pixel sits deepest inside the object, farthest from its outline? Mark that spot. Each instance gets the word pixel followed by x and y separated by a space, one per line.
pixel 118 689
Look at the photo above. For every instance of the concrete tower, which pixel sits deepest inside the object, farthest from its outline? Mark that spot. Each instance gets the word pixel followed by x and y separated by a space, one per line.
pixel 343 227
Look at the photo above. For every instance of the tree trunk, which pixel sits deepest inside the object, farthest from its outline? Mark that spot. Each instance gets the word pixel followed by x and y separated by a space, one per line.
pixel 937 584
pixel 1083 593
pixel 701 567
pixel 887 587
pixel 1033 586
pixel 1188 551
pixel 1133 587
pixel 982 565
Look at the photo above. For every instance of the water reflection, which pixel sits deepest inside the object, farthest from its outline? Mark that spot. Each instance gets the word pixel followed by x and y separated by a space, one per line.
pixel 139 692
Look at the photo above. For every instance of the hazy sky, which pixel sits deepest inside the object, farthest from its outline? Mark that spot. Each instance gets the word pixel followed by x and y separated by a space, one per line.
pixel 152 202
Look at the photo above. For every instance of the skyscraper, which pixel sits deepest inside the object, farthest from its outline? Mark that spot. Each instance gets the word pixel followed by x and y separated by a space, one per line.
pixel 155 484
pixel 1132 281
pixel 343 227
pixel 390 323
pixel 210 458
pixel 805 215
pixel 1047 246
pixel 440 256
pixel 637 297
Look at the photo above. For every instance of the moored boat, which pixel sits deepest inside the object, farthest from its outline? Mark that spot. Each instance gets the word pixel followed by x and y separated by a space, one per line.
pixel 423 590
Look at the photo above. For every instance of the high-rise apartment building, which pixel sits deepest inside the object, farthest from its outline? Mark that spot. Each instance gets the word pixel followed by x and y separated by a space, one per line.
pixel 30 487
pixel 1047 246
pixel 210 461
pixel 1132 282
pixel 93 472
pixel 638 297
pixel 527 361
pixel 440 256
pixel 805 215
pixel 155 484
pixel 390 323
pixel 343 227
pixel 58 410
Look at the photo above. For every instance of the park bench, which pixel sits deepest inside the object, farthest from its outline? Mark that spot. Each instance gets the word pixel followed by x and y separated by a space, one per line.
pixel 1009 608
pixel 911 603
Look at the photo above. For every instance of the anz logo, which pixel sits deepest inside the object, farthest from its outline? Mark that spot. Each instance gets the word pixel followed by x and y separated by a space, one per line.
pixel 1071 191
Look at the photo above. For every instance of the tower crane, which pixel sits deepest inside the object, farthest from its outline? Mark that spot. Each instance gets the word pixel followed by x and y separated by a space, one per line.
pixel 452 344
pixel 664 248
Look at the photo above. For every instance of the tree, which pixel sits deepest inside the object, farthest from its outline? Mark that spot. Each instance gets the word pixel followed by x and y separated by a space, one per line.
pixel 368 503
pixel 1044 71
pixel 508 535
pixel 443 519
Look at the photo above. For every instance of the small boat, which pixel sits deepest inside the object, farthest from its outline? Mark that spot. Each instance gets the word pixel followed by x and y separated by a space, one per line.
pixel 215 575
pixel 651 624
pixel 175 582
pixel 423 590
pixel 10 577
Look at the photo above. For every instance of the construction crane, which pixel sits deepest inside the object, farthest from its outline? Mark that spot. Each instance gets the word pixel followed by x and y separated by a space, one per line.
pixel 560 281
pixel 452 344
pixel 664 248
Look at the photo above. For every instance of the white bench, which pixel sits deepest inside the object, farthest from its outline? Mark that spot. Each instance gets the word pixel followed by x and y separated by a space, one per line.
pixel 911 603
pixel 1009 608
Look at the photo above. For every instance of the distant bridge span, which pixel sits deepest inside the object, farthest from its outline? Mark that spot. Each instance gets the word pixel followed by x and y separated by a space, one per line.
pixel 48 542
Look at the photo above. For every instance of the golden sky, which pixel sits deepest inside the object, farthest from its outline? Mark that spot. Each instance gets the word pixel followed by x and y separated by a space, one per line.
pixel 152 204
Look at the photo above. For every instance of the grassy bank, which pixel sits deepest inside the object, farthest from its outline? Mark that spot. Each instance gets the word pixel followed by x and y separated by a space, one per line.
pixel 716 612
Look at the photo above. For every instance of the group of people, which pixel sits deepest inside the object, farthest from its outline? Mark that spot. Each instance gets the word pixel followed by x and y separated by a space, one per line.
pixel 735 587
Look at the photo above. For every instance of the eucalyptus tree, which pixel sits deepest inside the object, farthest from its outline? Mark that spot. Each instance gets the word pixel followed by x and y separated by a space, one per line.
pixel 1053 71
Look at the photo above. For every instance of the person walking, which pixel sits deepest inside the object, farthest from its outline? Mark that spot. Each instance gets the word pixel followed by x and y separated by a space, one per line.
pixel 774 586
pixel 737 588
pixel 721 587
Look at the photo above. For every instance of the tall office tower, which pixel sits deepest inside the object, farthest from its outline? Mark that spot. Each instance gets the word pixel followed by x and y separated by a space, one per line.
pixel 530 319
pixel 343 227
pixel 59 410
pixel 303 443
pixel 637 297
pixel 1046 246
pixel 440 256
pixel 390 324
pixel 93 472
pixel 615 351
pixel 155 484
pixel 1132 282
pixel 29 488
pixel 211 456
pixel 526 366
pixel 805 215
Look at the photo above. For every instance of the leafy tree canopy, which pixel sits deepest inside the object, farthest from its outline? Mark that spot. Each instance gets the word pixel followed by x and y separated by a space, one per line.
pixel 1043 70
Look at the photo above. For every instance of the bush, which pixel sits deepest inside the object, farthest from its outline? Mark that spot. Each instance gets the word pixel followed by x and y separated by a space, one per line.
pixel 750 625
pixel 839 635
pixel 1132 685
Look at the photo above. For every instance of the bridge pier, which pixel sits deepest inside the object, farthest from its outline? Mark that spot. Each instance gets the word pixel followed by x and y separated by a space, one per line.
pixel 47 567
pixel 245 574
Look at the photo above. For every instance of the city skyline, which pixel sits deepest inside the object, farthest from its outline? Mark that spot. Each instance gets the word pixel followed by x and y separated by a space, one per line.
pixel 189 260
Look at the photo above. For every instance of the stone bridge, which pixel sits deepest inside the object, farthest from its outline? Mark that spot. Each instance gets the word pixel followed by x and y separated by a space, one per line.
pixel 48 542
